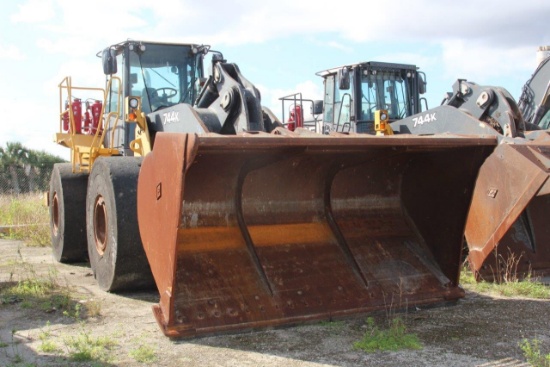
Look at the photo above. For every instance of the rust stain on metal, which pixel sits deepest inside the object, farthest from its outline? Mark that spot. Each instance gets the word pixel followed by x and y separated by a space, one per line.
pixel 259 231
pixel 511 221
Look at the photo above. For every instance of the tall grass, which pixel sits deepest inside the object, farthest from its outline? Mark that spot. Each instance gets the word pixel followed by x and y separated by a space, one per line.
pixel 510 286
pixel 26 218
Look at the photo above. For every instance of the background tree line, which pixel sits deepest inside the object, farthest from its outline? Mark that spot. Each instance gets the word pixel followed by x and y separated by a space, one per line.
pixel 25 170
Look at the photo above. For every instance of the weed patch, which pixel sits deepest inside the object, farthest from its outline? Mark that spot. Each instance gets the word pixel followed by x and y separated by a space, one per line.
pixel 34 291
pixel 144 354
pixel 85 347
pixel 47 345
pixel 92 308
pixel 394 338
pixel 43 292
pixel 532 352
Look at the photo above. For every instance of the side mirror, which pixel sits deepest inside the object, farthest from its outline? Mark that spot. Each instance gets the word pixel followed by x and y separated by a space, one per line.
pixel 421 83
pixel 317 107
pixel 343 77
pixel 109 61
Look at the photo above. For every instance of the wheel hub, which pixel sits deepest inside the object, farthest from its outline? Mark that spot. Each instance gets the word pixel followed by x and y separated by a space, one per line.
pixel 55 214
pixel 100 225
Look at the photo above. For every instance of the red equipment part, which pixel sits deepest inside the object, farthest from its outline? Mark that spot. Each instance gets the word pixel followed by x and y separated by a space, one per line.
pixel 96 108
pixel 77 115
pixel 296 118
pixel 65 117
pixel 87 118
pixel 92 116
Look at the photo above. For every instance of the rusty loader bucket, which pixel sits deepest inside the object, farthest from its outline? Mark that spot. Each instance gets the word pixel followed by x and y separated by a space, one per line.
pixel 252 231
pixel 507 230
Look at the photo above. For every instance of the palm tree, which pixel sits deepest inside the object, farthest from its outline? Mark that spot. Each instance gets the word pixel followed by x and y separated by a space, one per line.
pixel 44 165
pixel 3 174
pixel 13 157
pixel 25 169
pixel 31 169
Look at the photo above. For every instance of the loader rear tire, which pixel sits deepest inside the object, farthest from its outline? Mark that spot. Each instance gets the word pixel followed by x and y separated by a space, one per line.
pixel 116 254
pixel 67 206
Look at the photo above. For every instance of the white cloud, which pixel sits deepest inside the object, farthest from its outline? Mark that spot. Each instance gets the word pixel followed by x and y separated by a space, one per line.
pixel 86 74
pixel 23 126
pixel 11 52
pixel 339 46
pixel 79 32
pixel 34 11
pixel 70 45
pixel 250 21
pixel 37 142
pixel 481 63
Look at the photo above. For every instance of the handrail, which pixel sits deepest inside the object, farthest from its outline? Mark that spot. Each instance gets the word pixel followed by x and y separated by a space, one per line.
pixel 346 123
pixel 105 119
pixel 297 100
pixel 83 149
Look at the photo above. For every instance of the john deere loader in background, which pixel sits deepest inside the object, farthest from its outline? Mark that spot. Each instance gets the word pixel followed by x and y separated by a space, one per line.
pixel 241 223
pixel 353 94
pixel 511 196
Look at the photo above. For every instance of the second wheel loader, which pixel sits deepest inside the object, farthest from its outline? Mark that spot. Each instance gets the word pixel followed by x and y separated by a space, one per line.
pixel 506 231
pixel 189 183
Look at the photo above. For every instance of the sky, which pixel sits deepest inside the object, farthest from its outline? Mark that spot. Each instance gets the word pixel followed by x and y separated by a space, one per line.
pixel 278 45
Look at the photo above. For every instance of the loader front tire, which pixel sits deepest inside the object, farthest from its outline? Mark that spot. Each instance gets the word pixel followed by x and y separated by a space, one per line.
pixel 116 254
pixel 67 207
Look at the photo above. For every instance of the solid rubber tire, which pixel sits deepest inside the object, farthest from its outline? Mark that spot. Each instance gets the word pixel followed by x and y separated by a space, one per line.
pixel 67 207
pixel 122 264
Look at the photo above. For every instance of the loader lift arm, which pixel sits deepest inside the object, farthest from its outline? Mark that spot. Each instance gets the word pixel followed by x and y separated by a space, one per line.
pixel 228 104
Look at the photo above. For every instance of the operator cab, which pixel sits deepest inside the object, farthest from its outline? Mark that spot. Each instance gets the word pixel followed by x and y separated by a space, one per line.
pixel 353 93
pixel 160 74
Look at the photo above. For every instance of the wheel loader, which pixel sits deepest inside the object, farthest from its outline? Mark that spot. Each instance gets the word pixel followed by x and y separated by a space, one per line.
pixel 185 181
pixel 511 196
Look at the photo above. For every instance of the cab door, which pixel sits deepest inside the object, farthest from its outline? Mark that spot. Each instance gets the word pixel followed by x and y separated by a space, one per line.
pixel 338 103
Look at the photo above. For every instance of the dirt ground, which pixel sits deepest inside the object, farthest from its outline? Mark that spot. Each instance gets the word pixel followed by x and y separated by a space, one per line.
pixel 479 330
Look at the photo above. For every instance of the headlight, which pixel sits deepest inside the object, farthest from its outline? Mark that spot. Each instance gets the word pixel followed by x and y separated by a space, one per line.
pixel 134 103
pixel 383 117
